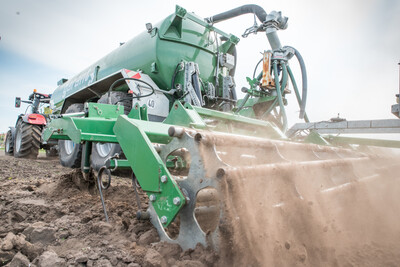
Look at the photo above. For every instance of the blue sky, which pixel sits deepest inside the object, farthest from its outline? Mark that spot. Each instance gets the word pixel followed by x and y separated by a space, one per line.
pixel 351 48
pixel 19 75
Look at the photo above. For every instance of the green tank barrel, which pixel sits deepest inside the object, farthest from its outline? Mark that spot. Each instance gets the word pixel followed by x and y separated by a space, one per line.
pixel 156 52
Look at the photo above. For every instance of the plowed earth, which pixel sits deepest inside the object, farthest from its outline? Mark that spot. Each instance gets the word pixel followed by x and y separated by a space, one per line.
pixel 47 220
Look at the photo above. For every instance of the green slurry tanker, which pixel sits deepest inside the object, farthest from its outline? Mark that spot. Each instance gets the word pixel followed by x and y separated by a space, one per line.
pixel 163 107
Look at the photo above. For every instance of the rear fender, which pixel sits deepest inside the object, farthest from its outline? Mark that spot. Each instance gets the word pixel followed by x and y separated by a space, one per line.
pixel 36 119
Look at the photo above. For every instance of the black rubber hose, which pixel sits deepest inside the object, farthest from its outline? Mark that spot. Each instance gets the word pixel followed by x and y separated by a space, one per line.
pixel 255 69
pixel 303 81
pixel 130 79
pixel 246 9
pixel 174 75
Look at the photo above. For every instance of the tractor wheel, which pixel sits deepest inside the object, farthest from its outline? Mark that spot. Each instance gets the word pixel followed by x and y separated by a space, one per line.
pixel 69 152
pixel 9 144
pixel 103 151
pixel 27 140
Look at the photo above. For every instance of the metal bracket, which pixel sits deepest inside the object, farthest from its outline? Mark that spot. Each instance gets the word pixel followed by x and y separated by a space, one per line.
pixel 228 85
pixel 191 83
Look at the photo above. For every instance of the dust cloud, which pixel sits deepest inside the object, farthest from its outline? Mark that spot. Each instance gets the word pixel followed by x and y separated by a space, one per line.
pixel 343 214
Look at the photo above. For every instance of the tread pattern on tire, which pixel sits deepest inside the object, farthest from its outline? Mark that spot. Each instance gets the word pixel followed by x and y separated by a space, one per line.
pixel 9 139
pixel 30 140
pixel 116 96
pixel 74 161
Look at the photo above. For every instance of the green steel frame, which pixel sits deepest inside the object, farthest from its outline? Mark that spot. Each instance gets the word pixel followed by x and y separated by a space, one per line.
pixel 136 136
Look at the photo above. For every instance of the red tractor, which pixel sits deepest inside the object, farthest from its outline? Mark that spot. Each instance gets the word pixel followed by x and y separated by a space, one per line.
pixel 24 140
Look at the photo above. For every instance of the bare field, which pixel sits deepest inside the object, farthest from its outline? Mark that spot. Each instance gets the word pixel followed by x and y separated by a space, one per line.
pixel 46 220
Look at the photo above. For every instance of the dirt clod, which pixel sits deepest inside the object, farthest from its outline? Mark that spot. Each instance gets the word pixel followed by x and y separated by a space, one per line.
pixel 31 251
pixel 19 260
pixel 152 258
pixel 19 216
pixel 8 242
pixel 148 237
pixel 44 235
pixel 50 259
pixel 190 263
pixel 101 228
pixel 49 221
pixel 80 257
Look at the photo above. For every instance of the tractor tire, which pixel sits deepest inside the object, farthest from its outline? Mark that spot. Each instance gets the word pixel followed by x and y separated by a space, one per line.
pixel 27 140
pixel 70 153
pixel 9 144
pixel 103 151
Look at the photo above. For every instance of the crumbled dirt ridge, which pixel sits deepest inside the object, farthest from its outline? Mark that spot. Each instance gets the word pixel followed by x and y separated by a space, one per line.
pixel 46 220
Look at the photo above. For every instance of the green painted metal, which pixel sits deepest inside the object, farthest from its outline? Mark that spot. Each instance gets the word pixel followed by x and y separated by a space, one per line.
pixel 316 138
pixel 105 111
pixel 232 38
pixel 247 112
pixel 148 167
pixel 194 117
pixel 143 113
pixel 157 132
pixel 100 130
pixel 121 163
pixel 181 36
pixel 229 122
pixel 81 129
pixel 269 110
pixel 106 123
pixel 184 116
pixel 254 101
pixel 174 162
pixel 259 98
pixel 86 152
pixel 135 112
pixel 136 138
pixel 228 116
pixel 341 140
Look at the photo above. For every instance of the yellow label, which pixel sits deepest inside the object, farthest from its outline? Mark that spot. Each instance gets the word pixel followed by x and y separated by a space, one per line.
pixel 48 111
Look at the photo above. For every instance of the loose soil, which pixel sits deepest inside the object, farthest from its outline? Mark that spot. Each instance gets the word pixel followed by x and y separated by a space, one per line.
pixel 51 221
pixel 47 220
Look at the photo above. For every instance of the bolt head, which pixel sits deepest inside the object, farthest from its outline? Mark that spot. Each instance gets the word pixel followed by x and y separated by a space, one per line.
pixel 177 201
pixel 163 219
pixel 164 179
pixel 152 198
